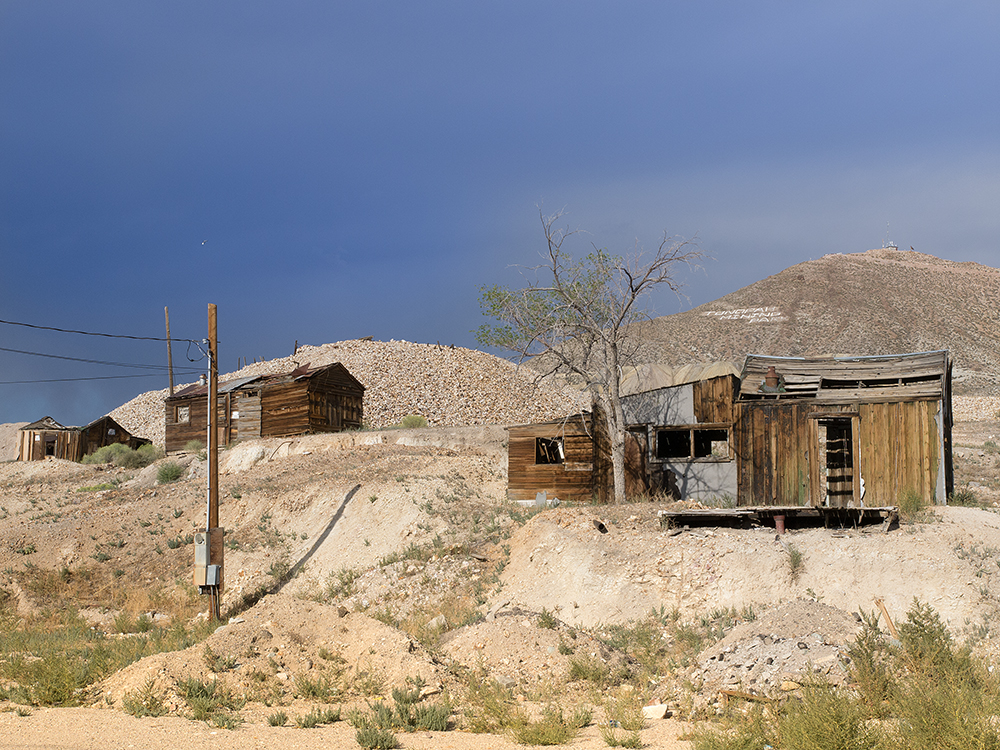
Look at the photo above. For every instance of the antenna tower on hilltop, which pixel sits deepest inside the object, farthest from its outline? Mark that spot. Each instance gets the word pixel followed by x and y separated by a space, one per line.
pixel 888 244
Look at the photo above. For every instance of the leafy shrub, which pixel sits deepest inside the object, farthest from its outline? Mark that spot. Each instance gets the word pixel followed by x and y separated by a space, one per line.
pixel 120 454
pixel 412 421
pixel 169 472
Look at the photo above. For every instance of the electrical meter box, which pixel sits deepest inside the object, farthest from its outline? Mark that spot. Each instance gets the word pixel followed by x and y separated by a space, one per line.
pixel 208 558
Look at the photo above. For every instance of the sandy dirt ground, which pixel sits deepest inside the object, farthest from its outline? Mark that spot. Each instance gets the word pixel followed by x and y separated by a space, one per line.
pixel 376 529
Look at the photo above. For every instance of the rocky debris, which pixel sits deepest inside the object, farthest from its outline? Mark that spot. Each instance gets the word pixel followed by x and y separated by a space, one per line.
pixel 790 644
pixel 975 408
pixel 449 386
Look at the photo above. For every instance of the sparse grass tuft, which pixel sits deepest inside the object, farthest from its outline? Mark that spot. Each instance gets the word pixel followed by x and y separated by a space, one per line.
pixel 169 472
pixel 796 562
pixel 146 701
pixel 912 505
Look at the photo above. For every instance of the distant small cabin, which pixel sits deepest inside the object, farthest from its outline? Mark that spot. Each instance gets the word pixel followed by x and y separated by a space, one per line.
pixel 320 399
pixel 47 437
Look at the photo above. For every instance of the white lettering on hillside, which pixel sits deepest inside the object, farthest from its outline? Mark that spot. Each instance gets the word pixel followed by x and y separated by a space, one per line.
pixel 749 314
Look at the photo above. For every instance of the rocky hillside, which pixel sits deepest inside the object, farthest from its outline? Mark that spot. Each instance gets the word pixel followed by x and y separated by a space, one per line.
pixel 879 302
pixel 449 386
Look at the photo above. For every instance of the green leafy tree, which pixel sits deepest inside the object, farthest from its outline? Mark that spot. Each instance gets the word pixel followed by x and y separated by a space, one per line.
pixel 575 318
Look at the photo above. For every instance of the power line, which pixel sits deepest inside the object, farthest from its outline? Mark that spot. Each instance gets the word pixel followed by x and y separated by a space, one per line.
pixel 90 361
pixel 70 380
pixel 90 333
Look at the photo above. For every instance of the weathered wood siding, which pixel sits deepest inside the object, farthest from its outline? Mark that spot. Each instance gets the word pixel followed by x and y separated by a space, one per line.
pixel 65 444
pixel 336 402
pixel 772 445
pixel 247 405
pixel 284 409
pixel 900 451
pixel 196 428
pixel 571 480
pixel 714 398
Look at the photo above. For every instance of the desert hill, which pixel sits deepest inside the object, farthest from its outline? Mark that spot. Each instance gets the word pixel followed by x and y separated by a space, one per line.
pixel 447 385
pixel 882 301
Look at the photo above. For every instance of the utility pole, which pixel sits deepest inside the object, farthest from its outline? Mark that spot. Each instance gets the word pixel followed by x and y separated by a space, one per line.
pixel 170 354
pixel 209 549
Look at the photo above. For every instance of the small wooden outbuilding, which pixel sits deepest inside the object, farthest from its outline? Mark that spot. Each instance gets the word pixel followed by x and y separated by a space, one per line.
pixel 556 457
pixel 47 437
pixel 320 399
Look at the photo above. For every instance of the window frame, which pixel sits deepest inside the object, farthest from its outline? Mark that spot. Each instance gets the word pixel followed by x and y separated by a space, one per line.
pixel 692 441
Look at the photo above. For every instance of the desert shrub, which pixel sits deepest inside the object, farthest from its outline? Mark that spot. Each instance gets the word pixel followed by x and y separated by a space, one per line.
pixel 193 446
pixel 107 454
pixel 120 454
pixel 964 496
pixel 625 711
pixel 489 706
pixel 169 472
pixel 551 729
pixel 372 737
pixel 146 701
pixel 614 737
pixel 340 583
pixel 911 504
pixel 547 619
pixel 412 421
pixel 277 719
pixel 321 688
pixel 796 562
pixel 920 692
pixel 218 662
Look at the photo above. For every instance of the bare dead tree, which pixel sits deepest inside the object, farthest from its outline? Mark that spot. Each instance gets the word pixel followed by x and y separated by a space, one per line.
pixel 576 314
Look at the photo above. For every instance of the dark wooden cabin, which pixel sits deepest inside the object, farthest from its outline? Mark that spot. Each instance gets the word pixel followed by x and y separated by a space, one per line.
pixel 844 431
pixel 320 399
pixel 46 437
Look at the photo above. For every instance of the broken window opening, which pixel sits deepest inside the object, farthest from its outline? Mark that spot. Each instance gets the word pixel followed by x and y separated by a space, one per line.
pixel 692 442
pixel 549 451
pixel 183 415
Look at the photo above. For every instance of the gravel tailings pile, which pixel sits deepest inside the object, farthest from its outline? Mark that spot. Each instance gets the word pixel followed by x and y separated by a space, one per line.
pixel 450 386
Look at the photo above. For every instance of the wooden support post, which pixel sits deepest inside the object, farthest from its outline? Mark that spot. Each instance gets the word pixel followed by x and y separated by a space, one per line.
pixel 216 547
pixel 170 355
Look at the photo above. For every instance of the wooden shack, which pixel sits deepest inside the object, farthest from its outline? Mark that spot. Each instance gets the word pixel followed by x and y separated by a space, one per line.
pixel 844 431
pixel 555 457
pixel 47 437
pixel 320 399
pixel 105 431
pixel 821 432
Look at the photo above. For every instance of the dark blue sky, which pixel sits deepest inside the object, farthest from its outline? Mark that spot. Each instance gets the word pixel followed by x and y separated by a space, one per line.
pixel 327 170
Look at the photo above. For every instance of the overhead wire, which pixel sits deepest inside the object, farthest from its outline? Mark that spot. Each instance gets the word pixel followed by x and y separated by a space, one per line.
pixel 91 333
pixel 94 361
